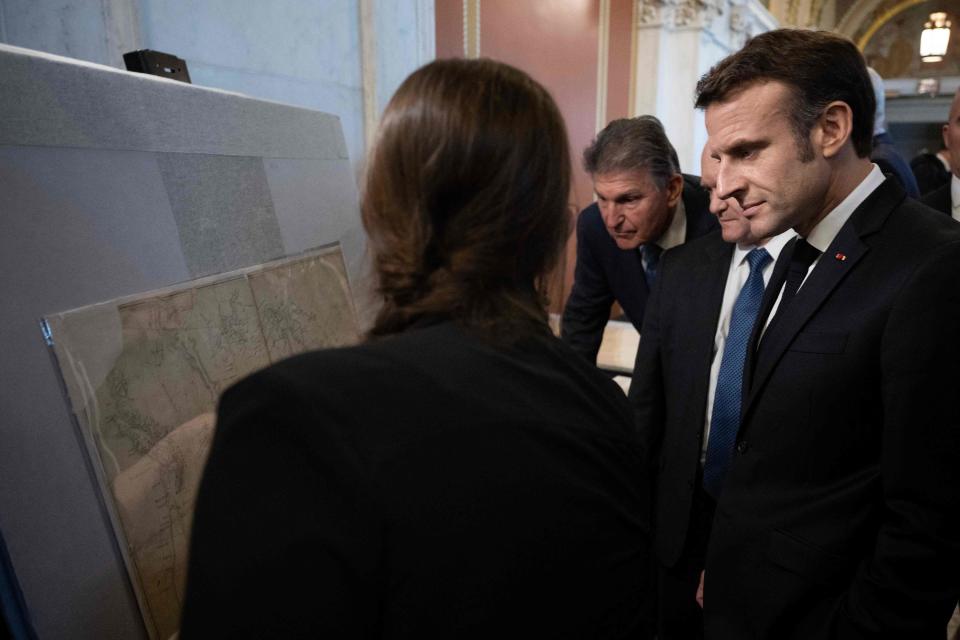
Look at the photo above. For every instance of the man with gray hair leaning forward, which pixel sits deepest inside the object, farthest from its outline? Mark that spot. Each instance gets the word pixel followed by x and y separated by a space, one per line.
pixel 838 500
pixel 644 206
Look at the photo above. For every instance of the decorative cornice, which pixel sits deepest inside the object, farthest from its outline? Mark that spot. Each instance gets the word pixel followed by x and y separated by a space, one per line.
pixel 740 27
pixel 678 14
pixel 649 13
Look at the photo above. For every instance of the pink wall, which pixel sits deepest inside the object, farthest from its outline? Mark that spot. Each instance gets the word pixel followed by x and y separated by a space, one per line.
pixel 449 18
pixel 619 59
pixel 556 42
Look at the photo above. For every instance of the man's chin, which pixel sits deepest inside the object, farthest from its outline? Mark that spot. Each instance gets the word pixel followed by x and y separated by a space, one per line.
pixel 736 236
pixel 627 243
pixel 764 228
pixel 735 230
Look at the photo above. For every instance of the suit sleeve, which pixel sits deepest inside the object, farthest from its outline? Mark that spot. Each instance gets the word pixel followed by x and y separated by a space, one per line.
pixel 909 586
pixel 588 308
pixel 285 541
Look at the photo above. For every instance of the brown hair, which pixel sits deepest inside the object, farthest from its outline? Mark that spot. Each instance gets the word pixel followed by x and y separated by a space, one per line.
pixel 633 144
pixel 820 67
pixel 465 198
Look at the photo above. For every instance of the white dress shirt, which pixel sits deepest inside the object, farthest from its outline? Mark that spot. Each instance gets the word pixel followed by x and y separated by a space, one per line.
pixel 955 197
pixel 675 234
pixel 736 277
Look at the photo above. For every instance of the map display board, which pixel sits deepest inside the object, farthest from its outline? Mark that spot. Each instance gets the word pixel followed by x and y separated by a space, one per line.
pixel 143 375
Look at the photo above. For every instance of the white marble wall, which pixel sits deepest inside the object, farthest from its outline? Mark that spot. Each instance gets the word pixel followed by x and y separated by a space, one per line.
pixel 406 39
pixel 677 42
pixel 300 52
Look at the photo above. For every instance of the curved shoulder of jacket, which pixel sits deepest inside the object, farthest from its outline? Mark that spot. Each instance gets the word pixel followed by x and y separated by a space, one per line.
pixel 589 220
pixel 696 202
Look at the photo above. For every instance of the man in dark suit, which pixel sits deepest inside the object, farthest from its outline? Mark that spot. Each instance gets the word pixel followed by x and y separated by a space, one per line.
pixel 839 509
pixel 946 199
pixel 932 170
pixel 885 154
pixel 644 206
pixel 697 301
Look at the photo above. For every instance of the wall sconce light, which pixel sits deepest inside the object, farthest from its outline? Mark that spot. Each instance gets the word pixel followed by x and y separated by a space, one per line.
pixel 935 36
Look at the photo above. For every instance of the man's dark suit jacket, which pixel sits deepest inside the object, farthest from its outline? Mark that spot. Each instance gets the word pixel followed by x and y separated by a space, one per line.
pixel 940 199
pixel 605 273
pixel 929 172
pixel 672 375
pixel 840 513
pixel 428 485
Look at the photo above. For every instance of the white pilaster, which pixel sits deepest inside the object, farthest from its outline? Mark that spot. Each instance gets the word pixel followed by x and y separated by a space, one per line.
pixel 677 42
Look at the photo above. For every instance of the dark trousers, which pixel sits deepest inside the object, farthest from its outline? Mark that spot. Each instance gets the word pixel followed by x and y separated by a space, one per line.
pixel 679 617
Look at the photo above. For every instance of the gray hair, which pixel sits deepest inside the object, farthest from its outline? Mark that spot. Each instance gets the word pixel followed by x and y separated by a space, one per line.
pixel 633 144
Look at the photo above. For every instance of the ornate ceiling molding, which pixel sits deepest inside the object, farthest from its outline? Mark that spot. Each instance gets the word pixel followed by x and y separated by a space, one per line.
pixel 806 14
pixel 678 14
pixel 865 18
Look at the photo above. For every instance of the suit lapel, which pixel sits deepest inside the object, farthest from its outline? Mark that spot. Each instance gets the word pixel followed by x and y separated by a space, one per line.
pixel 826 275
pixel 632 281
pixel 770 293
pixel 710 280
pixel 840 258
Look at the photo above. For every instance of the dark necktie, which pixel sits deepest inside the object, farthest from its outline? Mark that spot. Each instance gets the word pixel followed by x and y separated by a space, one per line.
pixel 803 256
pixel 650 254
pixel 725 420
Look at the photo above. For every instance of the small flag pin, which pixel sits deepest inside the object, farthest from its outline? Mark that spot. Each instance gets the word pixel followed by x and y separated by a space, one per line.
pixel 840 256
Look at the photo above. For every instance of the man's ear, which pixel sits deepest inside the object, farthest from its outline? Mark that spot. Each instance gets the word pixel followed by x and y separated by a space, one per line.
pixel 833 128
pixel 674 189
pixel 943 133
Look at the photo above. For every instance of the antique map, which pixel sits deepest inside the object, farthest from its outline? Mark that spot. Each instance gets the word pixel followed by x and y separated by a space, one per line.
pixel 143 375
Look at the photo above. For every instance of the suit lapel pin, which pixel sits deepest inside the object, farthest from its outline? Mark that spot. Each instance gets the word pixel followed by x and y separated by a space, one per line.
pixel 840 256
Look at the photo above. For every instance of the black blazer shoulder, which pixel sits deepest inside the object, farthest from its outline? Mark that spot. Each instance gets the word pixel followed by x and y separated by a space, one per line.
pixel 940 199
pixel 424 483
pixel 696 202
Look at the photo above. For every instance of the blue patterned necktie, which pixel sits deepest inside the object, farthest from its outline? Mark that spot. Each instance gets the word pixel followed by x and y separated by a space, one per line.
pixel 650 254
pixel 726 400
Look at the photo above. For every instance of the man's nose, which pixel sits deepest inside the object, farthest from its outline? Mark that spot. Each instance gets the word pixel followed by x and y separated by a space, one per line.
pixel 611 213
pixel 717 204
pixel 730 182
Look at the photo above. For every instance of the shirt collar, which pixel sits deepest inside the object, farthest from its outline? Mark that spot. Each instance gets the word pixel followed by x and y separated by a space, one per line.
pixel 955 192
pixel 774 246
pixel 677 231
pixel 827 229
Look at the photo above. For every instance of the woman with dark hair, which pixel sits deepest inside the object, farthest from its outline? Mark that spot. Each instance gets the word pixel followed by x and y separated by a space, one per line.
pixel 462 473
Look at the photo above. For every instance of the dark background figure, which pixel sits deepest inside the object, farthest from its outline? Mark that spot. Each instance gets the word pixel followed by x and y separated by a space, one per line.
pixel 885 154
pixel 644 207
pixel 463 474
pixel 946 198
pixel 839 515
pixel 932 170
pixel 696 302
